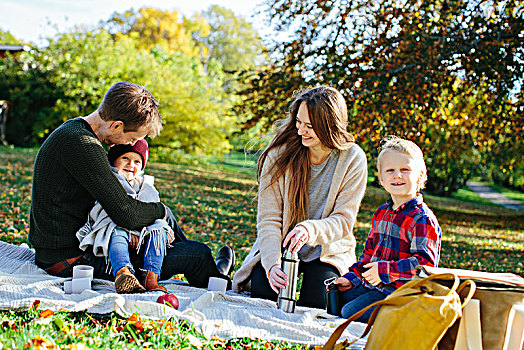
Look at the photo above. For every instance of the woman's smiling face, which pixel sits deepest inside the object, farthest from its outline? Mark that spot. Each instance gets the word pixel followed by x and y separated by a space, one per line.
pixel 305 129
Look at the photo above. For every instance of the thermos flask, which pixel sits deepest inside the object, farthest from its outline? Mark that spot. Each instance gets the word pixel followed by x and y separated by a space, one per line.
pixel 332 297
pixel 287 297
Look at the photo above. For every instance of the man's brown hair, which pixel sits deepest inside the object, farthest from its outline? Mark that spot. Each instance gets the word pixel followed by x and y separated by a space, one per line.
pixel 133 105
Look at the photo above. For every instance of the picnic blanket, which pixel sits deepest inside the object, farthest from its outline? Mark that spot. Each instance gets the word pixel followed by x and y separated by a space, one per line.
pixel 226 315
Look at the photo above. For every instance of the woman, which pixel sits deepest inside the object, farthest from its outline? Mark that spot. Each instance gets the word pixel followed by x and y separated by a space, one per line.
pixel 312 177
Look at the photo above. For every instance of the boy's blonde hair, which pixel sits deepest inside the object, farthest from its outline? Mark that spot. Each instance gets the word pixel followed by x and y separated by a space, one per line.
pixel 395 143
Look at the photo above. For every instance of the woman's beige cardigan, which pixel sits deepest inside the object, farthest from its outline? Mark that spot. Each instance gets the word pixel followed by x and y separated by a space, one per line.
pixel 333 232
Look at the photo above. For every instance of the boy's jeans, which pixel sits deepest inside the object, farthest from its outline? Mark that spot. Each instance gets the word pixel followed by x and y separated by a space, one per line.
pixel 119 251
pixel 358 298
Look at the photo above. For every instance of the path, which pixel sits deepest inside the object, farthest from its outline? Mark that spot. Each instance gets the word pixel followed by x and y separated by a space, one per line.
pixel 494 196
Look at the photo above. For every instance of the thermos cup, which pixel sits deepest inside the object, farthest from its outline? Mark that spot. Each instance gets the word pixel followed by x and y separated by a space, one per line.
pixel 287 297
pixel 332 297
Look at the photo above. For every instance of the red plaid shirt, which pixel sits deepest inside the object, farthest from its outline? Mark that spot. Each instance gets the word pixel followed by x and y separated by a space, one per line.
pixel 399 240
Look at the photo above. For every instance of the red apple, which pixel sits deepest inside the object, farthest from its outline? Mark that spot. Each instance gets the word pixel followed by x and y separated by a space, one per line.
pixel 168 299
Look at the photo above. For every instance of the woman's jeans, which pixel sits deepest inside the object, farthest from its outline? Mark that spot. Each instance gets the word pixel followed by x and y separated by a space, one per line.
pixel 357 298
pixel 154 251
pixel 313 290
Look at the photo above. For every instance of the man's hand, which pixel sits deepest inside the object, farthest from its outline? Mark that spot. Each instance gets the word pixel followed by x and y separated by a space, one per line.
pixel 277 278
pixel 343 284
pixel 371 275
pixel 296 238
pixel 170 236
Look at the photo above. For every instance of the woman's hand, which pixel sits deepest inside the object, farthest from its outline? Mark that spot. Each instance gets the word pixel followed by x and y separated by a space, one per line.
pixel 133 241
pixel 277 278
pixel 371 275
pixel 343 284
pixel 296 238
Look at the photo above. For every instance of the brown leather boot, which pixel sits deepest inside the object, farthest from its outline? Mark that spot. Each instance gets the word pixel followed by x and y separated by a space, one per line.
pixel 150 282
pixel 126 282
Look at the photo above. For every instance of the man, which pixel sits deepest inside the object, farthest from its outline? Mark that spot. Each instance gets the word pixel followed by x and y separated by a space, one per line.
pixel 72 171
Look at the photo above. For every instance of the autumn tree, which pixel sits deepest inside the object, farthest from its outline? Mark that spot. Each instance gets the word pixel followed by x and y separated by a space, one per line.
pixel 152 26
pixel 220 40
pixel 446 74
pixel 231 40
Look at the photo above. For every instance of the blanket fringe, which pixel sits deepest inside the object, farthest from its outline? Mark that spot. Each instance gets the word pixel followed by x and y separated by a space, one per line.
pixel 158 237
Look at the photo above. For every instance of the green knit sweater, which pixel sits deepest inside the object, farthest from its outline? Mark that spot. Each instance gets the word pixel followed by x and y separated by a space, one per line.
pixel 72 171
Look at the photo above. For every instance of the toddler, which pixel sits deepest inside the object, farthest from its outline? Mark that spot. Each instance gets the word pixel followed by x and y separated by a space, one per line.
pixel 109 240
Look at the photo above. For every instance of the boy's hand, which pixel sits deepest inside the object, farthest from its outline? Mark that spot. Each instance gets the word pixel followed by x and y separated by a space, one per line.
pixel 343 284
pixel 296 238
pixel 371 275
pixel 277 278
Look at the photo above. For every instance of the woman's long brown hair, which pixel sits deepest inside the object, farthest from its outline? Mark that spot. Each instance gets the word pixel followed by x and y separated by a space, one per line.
pixel 328 115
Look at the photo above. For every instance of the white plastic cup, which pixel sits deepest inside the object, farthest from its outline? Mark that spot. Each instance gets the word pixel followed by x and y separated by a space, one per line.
pixel 68 287
pixel 217 284
pixel 83 271
pixel 78 285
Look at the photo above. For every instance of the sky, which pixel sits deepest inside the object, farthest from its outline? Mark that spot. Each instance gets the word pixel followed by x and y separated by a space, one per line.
pixel 31 21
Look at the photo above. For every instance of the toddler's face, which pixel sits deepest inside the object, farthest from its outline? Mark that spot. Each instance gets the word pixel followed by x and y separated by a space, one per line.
pixel 399 175
pixel 129 164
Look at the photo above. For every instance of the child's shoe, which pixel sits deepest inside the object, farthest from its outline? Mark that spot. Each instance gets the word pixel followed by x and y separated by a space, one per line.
pixel 151 282
pixel 126 282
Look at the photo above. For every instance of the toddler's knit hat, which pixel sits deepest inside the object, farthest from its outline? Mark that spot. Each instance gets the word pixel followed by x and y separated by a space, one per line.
pixel 139 147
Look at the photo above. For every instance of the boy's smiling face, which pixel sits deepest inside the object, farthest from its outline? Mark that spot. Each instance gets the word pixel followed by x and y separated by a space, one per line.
pixel 400 176
pixel 129 164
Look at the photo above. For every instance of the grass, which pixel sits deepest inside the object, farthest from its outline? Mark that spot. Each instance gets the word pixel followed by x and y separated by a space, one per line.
pixel 215 204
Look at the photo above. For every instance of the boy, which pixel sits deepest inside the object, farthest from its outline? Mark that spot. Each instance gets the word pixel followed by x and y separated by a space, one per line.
pixel 404 231
pixel 106 239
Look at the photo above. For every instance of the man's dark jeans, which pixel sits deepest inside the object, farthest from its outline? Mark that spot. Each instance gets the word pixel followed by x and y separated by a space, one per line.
pixel 190 258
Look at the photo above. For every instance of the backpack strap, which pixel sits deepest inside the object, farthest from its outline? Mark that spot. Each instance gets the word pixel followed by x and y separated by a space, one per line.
pixel 400 300
pixel 472 289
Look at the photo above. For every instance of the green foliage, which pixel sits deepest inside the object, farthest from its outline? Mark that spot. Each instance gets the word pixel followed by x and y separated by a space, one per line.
pixel 231 40
pixel 78 68
pixel 27 85
pixel 446 74
pixel 194 104
pixel 155 48
pixel 7 38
